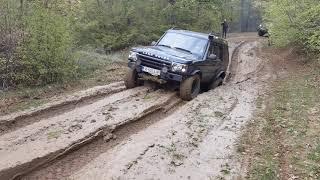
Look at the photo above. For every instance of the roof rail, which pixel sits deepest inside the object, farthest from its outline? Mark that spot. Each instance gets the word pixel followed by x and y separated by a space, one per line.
pixel 213 35
pixel 175 28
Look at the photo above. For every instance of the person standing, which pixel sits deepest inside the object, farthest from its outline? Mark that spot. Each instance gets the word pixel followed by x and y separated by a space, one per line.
pixel 225 28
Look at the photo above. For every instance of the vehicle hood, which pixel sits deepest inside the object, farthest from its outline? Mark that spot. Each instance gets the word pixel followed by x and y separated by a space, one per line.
pixel 167 54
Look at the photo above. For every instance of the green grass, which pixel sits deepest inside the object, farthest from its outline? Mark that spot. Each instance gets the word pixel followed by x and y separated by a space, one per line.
pixel 259 102
pixel 283 141
pixel 147 97
pixel 226 169
pixel 218 114
pixel 314 164
pixel 54 134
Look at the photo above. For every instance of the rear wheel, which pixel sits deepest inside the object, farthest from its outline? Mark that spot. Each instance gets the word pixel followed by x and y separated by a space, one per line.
pixel 131 79
pixel 190 88
pixel 216 83
pixel 260 33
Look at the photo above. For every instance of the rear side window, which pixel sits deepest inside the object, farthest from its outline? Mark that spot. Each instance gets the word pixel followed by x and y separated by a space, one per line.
pixel 216 49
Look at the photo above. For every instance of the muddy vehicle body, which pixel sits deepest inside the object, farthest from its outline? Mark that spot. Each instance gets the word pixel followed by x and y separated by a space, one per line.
pixel 189 60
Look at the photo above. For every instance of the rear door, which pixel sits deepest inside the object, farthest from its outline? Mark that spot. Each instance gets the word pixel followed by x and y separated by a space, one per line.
pixel 225 58
pixel 210 68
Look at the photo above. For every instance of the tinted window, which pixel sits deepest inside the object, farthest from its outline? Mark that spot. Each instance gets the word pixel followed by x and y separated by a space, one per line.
pixel 217 50
pixel 196 46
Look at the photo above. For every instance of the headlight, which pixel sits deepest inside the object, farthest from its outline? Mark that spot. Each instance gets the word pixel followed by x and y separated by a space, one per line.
pixel 133 56
pixel 179 67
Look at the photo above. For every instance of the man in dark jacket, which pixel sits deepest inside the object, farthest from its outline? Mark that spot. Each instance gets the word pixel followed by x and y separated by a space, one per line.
pixel 225 28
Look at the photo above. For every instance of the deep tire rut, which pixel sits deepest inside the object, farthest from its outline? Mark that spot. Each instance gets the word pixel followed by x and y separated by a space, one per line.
pixel 70 161
pixel 43 141
pixel 11 124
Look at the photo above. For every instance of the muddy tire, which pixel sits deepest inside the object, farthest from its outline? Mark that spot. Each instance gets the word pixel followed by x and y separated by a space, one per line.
pixel 190 88
pixel 131 79
pixel 216 83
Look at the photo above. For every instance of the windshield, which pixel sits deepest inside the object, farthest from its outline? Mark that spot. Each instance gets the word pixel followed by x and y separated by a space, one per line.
pixel 185 43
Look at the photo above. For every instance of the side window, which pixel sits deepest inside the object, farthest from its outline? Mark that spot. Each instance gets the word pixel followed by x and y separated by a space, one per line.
pixel 217 50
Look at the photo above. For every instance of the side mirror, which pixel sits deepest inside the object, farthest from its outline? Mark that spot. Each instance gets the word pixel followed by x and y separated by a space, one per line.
pixel 212 57
pixel 153 43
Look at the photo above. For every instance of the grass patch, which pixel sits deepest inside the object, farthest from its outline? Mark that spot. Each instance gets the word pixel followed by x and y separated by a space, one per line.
pixel 259 102
pixel 218 114
pixel 283 141
pixel 226 169
pixel 314 164
pixel 54 134
pixel 147 97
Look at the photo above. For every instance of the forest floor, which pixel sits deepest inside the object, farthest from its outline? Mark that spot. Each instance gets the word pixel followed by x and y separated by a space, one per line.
pixel 107 132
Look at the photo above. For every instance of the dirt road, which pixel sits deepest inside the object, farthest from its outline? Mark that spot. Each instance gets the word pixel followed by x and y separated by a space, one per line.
pixel 141 133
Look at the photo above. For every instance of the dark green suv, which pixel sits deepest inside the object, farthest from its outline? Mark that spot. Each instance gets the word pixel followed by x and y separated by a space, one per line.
pixel 190 60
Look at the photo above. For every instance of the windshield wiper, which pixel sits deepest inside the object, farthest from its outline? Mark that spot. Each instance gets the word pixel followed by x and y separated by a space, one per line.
pixel 186 50
pixel 164 45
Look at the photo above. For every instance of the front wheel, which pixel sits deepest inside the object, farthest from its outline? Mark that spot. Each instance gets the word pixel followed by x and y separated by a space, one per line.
pixel 190 88
pixel 131 79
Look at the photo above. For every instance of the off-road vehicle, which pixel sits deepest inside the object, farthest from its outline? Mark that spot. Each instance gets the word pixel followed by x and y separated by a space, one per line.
pixel 262 30
pixel 187 59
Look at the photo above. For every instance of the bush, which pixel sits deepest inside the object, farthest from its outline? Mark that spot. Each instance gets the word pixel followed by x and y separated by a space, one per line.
pixel 295 22
pixel 310 34
pixel 46 54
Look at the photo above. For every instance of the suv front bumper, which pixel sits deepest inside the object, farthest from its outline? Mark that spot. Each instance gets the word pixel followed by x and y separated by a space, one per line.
pixel 164 76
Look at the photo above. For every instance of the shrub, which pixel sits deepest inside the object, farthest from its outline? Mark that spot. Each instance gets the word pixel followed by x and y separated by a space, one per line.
pixel 295 22
pixel 46 54
pixel 310 33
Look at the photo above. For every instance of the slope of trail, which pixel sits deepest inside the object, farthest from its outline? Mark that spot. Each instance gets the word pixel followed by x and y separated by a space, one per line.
pixel 196 141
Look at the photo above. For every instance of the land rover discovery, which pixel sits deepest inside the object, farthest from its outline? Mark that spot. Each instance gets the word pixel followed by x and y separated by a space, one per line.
pixel 190 60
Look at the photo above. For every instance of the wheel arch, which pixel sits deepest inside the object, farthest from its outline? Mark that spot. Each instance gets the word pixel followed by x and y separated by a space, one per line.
pixel 197 72
pixel 222 74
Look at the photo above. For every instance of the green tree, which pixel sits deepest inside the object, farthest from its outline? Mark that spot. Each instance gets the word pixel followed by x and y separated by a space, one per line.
pixel 115 24
pixel 294 22
pixel 46 53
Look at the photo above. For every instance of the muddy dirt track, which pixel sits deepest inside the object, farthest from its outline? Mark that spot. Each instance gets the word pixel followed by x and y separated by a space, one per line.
pixel 143 133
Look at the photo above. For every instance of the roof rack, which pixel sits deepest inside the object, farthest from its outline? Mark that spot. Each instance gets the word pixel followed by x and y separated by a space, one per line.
pixel 215 34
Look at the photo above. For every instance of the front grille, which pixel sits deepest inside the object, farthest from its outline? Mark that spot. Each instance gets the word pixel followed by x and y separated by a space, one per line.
pixel 153 62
